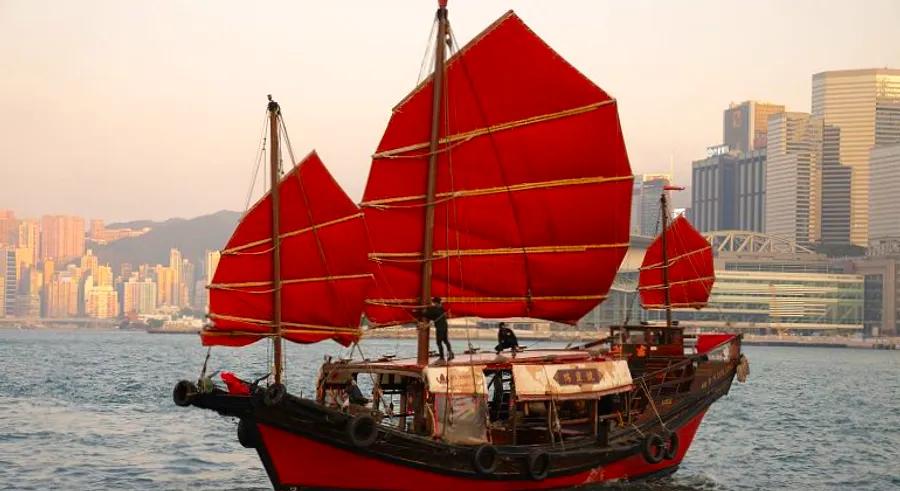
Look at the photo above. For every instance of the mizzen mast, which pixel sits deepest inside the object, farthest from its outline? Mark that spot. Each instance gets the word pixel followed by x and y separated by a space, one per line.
pixel 664 214
pixel 274 179
pixel 428 243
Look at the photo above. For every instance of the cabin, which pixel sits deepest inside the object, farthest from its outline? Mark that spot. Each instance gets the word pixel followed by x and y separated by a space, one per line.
pixel 533 397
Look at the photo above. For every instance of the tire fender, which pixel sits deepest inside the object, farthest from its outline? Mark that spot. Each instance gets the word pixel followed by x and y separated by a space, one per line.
pixel 653 448
pixel 362 430
pixel 485 459
pixel 184 393
pixel 538 465
pixel 671 446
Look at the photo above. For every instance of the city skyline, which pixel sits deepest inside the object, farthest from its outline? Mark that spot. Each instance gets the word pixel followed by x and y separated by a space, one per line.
pixel 91 123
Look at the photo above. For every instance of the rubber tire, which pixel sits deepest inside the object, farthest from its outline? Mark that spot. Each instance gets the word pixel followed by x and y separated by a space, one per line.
pixel 538 465
pixel 672 446
pixel 362 430
pixel 274 394
pixel 247 433
pixel 482 453
pixel 184 393
pixel 650 442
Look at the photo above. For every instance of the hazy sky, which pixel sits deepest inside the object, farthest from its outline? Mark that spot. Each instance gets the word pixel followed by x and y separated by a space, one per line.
pixel 126 109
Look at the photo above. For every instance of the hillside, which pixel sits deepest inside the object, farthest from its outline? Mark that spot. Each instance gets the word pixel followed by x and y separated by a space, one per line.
pixel 191 236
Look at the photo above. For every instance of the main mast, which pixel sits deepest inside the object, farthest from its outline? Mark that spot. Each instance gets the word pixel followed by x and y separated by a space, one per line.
pixel 428 247
pixel 664 213
pixel 274 179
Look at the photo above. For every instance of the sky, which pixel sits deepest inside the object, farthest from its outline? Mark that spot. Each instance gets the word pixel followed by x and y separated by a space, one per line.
pixel 150 110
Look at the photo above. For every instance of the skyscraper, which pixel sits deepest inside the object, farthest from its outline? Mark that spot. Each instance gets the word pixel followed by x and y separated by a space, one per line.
pixel 745 125
pixel 8 227
pixel 884 217
pixel 645 194
pixel 62 237
pixel 863 104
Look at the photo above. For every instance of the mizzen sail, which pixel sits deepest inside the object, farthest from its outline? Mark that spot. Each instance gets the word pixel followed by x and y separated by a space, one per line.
pixel 324 268
pixel 690 263
pixel 533 187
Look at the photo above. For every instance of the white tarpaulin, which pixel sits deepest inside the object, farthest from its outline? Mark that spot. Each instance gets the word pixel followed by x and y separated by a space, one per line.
pixel 455 380
pixel 571 380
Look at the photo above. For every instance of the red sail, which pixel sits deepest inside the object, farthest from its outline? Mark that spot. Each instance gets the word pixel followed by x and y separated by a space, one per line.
pixel 533 187
pixel 691 273
pixel 324 269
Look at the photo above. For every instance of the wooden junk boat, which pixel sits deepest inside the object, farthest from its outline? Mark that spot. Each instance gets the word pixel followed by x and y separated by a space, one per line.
pixel 501 184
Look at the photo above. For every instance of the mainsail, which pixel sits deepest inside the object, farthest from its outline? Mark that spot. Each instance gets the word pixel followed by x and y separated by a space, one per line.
pixel 324 269
pixel 533 187
pixel 690 262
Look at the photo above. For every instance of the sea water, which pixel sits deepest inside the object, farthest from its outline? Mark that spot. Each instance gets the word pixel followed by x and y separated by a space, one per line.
pixel 88 410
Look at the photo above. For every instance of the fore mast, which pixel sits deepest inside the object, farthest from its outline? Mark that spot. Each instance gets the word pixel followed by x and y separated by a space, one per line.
pixel 274 111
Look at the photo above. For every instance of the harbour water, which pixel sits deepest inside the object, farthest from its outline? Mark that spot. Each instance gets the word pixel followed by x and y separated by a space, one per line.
pixel 93 410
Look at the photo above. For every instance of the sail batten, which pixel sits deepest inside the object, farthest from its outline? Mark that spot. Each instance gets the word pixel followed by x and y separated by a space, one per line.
pixel 690 269
pixel 325 274
pixel 533 188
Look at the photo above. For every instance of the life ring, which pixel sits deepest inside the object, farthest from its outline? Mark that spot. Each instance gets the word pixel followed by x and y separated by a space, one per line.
pixel 653 448
pixel 184 392
pixel 274 394
pixel 538 465
pixel 362 430
pixel 671 446
pixel 485 459
pixel 247 434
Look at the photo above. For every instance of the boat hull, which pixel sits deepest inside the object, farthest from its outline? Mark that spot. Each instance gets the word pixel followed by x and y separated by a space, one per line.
pixel 297 462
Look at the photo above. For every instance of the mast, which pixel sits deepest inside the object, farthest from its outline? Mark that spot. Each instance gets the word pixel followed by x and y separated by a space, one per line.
pixel 664 212
pixel 274 180
pixel 428 248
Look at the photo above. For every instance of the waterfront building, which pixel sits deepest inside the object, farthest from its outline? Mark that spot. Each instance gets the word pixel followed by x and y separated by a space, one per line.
pixel 645 194
pixel 881 270
pixel 139 296
pixel 62 295
pixel 62 237
pixel 10 274
pixel 745 125
pixel 728 190
pixel 884 192
pixel 862 103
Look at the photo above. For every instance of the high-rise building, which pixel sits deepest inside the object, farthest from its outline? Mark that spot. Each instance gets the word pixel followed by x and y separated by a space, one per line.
pixel 62 237
pixel 836 188
pixel 864 105
pixel 745 125
pixel 728 190
pixel 29 241
pixel 176 267
pixel 792 176
pixel 884 217
pixel 645 194
pixel 10 279
pixel 62 295
pixel 212 262
pixel 139 296
pixel 8 227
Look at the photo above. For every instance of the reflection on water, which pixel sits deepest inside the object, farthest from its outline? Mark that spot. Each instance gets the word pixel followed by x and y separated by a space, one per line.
pixel 93 410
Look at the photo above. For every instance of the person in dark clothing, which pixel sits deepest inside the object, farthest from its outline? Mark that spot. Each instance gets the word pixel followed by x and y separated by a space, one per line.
pixel 436 314
pixel 506 339
pixel 355 395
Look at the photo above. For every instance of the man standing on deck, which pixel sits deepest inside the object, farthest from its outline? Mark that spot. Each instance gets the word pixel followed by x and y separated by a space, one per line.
pixel 436 314
pixel 506 339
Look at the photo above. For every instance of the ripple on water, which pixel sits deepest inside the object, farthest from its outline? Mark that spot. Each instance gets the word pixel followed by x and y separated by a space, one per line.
pixel 93 410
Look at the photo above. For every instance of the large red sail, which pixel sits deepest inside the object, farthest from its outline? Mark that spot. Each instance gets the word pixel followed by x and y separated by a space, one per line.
pixel 691 274
pixel 533 187
pixel 324 269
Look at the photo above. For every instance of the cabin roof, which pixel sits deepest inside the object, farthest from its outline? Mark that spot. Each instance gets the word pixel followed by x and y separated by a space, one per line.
pixel 488 359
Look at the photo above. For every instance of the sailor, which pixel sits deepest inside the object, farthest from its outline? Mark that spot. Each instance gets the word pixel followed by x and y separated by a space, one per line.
pixel 436 314
pixel 355 395
pixel 506 339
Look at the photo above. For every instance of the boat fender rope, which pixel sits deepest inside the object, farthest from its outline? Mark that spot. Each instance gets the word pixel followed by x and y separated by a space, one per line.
pixel 485 459
pixel 538 465
pixel 671 446
pixel 743 368
pixel 653 448
pixel 362 430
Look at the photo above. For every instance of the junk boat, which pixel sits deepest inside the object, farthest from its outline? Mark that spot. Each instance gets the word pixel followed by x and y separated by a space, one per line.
pixel 501 184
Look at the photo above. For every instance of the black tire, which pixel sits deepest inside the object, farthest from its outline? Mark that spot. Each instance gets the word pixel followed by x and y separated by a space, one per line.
pixel 653 448
pixel 485 459
pixel 538 465
pixel 247 434
pixel 184 393
pixel 671 446
pixel 362 430
pixel 274 395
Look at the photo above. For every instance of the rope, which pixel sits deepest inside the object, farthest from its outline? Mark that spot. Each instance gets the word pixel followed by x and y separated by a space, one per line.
pixel 259 158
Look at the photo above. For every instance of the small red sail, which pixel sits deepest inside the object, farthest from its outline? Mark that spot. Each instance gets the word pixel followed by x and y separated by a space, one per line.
pixel 533 187
pixel 324 267
pixel 691 274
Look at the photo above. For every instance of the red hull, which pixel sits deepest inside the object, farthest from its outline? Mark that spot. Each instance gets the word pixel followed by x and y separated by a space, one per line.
pixel 302 462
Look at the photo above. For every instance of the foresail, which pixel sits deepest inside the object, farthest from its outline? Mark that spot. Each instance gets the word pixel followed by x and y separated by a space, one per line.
pixel 533 188
pixel 691 274
pixel 324 268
